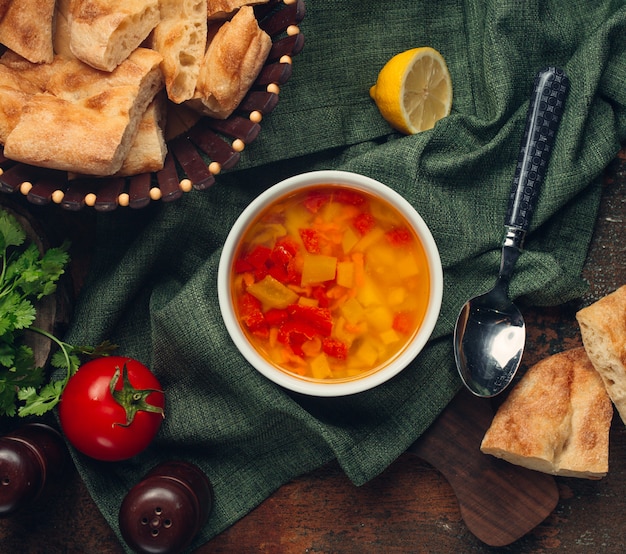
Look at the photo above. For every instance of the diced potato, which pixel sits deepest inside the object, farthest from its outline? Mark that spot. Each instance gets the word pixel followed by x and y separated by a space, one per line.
pixel 381 257
pixel 307 301
pixel 296 218
pixel 350 238
pixel 367 353
pixel 389 337
pixel 320 369
pixel 318 268
pixel 407 266
pixel 331 211
pixel 366 241
pixel 368 294
pixel 380 318
pixel 345 274
pixel 352 311
pixel 397 296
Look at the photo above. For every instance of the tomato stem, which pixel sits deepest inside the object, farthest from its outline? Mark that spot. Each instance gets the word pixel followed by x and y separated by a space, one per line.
pixel 131 399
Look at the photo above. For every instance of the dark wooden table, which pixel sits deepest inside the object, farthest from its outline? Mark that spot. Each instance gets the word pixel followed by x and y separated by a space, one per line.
pixel 410 507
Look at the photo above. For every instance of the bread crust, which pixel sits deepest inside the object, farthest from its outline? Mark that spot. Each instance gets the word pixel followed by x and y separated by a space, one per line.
pixel 12 102
pixel 219 10
pixel 103 33
pixel 26 28
pixel 556 419
pixel 19 80
pixel 80 126
pixel 603 330
pixel 232 62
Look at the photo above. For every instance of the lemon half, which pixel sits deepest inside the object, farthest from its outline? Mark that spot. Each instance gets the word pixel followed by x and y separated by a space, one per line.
pixel 414 90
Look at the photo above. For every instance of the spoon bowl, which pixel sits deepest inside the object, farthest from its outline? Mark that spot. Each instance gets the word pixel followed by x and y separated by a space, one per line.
pixel 489 341
pixel 490 334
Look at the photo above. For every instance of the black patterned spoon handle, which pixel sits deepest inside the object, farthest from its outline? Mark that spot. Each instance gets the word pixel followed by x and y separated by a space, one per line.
pixel 551 86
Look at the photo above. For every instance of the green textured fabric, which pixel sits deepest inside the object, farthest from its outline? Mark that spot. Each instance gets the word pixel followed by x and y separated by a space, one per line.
pixel 152 286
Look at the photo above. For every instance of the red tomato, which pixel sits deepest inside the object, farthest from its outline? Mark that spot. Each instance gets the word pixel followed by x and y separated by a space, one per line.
pixel 112 408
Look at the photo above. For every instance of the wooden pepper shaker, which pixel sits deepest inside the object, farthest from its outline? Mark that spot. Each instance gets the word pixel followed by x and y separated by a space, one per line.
pixel 164 511
pixel 31 457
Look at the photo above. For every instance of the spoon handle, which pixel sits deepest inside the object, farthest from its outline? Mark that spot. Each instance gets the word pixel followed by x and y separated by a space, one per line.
pixel 542 121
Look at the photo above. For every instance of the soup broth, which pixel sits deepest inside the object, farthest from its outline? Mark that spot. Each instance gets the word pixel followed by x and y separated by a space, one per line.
pixel 330 283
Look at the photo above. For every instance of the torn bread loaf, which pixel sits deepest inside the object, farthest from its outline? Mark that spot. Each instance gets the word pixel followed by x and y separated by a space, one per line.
pixel 603 330
pixel 78 126
pixel 103 33
pixel 556 420
pixel 233 60
pixel 26 28
pixel 181 38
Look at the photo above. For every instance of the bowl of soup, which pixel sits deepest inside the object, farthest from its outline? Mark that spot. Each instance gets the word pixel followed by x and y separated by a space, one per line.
pixel 330 283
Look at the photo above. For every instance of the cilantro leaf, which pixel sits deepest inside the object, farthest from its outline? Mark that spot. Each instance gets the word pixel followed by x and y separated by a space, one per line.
pixel 38 403
pixel 11 232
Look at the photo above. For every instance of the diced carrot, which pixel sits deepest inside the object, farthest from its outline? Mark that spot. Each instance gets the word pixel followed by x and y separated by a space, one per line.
pixel 273 337
pixel 359 268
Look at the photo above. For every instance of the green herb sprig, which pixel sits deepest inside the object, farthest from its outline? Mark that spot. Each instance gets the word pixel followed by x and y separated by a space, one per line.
pixel 26 276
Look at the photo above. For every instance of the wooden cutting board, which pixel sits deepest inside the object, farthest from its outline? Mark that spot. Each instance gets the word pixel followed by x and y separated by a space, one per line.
pixel 499 502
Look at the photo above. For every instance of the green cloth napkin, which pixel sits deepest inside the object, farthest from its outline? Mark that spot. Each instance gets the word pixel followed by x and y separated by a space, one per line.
pixel 152 286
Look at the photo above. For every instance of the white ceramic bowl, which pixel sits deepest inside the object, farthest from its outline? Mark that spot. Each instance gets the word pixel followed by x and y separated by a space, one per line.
pixel 318 387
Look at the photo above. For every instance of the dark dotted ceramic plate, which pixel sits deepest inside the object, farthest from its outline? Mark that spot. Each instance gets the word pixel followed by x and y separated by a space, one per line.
pixel 198 154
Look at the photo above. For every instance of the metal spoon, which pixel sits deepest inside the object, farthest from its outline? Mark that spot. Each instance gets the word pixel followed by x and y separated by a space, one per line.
pixel 490 333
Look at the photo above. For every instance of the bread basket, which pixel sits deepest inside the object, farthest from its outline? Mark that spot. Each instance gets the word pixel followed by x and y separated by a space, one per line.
pixel 195 157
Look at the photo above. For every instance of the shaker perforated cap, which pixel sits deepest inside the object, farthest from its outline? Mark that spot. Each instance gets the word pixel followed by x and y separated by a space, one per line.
pixel 164 512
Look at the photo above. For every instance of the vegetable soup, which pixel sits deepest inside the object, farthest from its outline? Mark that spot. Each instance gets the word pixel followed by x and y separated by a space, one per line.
pixel 330 283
